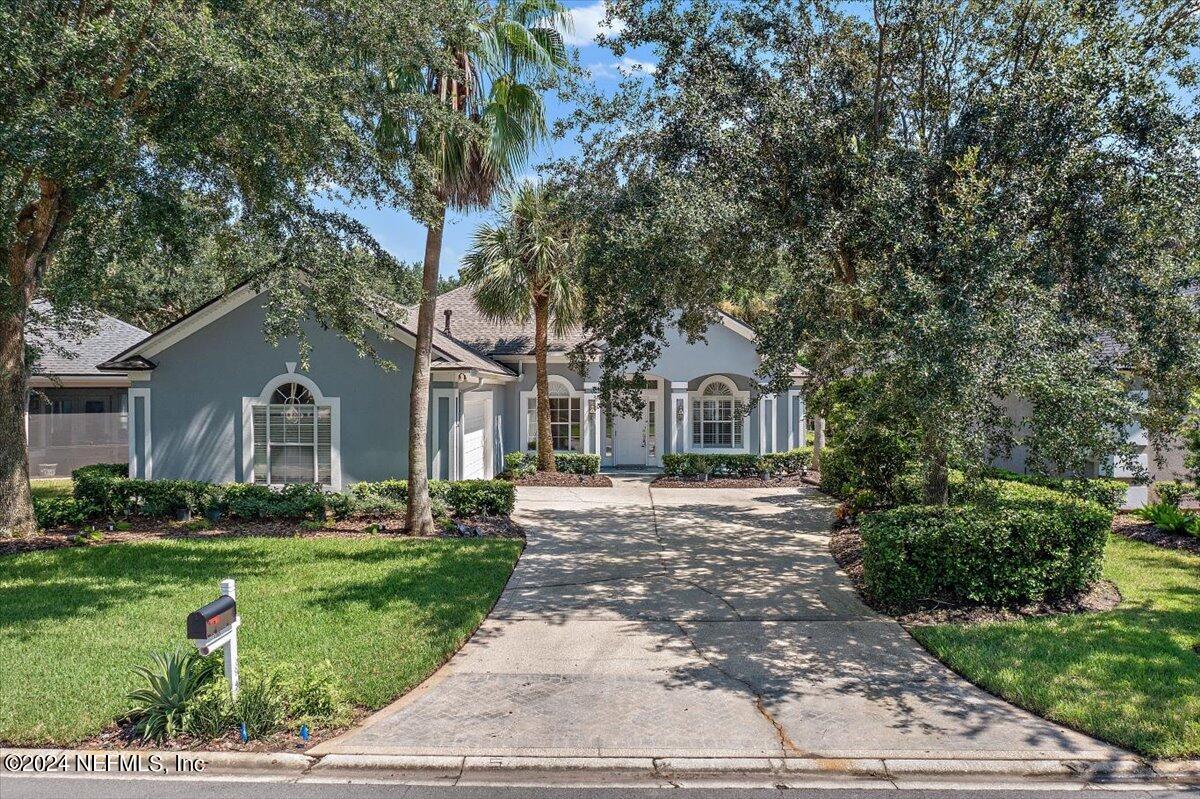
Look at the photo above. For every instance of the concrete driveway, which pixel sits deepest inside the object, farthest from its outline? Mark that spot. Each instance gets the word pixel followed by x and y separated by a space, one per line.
pixel 695 623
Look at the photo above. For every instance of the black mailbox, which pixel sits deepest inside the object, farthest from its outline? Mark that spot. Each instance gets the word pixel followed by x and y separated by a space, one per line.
pixel 211 619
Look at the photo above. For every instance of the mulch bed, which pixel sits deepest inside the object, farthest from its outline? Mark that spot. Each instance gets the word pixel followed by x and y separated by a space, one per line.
pixel 121 736
pixel 1130 526
pixel 845 544
pixel 147 529
pixel 563 479
pixel 666 481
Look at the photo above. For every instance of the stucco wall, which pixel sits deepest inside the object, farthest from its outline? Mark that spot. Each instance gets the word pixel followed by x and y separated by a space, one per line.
pixel 198 385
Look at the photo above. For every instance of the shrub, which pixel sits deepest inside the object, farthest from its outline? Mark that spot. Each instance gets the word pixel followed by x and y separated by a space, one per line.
pixel 314 696
pixel 686 464
pixel 261 704
pixel 577 463
pixel 109 469
pixel 209 713
pixel 464 497
pixel 794 461
pixel 519 464
pixel 296 501
pixel 172 680
pixel 59 511
pixel 1029 544
pixel 872 458
pixel 1174 492
pixel 1169 518
pixel 1106 492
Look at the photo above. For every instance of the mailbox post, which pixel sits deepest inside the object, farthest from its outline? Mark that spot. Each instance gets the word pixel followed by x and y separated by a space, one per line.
pixel 215 626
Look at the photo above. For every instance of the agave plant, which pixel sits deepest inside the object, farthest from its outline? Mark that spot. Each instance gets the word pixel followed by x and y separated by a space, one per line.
pixel 172 679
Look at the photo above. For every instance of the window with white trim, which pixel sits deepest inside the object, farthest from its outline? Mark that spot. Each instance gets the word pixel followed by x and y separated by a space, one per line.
pixel 717 418
pixel 293 438
pixel 566 419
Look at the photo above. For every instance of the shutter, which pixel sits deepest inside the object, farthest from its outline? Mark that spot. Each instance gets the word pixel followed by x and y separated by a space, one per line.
pixel 696 424
pixel 260 444
pixel 324 445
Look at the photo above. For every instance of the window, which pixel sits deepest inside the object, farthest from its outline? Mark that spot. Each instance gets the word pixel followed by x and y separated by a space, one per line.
pixel 717 418
pixel 566 422
pixel 293 438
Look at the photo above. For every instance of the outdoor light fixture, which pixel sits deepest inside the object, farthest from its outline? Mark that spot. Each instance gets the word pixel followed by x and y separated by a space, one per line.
pixel 679 412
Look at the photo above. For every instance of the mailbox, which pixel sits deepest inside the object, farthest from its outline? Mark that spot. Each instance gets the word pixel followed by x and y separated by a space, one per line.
pixel 212 619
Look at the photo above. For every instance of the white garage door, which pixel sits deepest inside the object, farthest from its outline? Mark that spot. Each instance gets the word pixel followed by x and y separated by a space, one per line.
pixel 476 447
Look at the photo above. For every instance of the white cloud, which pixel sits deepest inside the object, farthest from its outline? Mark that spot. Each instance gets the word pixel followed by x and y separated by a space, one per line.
pixel 623 68
pixel 588 23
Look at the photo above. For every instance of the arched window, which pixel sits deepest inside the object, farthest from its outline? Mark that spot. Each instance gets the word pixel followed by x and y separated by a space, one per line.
pixel 566 416
pixel 718 417
pixel 293 437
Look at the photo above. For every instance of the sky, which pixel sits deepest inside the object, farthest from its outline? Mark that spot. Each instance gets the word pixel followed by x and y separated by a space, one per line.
pixel 404 237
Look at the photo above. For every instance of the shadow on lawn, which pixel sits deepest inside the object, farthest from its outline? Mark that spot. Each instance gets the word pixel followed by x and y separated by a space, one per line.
pixel 67 583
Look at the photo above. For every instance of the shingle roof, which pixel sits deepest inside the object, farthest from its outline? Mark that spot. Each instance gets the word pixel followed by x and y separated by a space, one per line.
pixel 470 326
pixel 458 355
pixel 80 352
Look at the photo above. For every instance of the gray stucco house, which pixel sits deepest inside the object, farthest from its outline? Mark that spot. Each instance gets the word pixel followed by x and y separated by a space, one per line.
pixel 209 399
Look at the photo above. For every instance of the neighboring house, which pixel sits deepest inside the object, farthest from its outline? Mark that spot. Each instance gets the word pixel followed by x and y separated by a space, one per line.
pixel 211 400
pixel 76 412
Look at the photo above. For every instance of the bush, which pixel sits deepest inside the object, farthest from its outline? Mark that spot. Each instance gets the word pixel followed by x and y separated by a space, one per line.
pixel 519 464
pixel 296 501
pixel 58 511
pixel 314 696
pixel 872 458
pixel 172 680
pixel 464 497
pixel 794 461
pixel 1029 544
pixel 1174 492
pixel 687 464
pixel 1169 518
pixel 577 463
pixel 1106 492
pixel 209 713
pixel 261 703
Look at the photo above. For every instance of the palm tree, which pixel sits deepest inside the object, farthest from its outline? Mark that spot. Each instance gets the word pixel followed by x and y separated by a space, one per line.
pixel 524 266
pixel 512 51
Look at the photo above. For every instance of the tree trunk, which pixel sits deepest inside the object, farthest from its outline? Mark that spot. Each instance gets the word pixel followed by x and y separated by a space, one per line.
pixel 541 327
pixel 937 472
pixel 16 504
pixel 419 516
pixel 818 442
pixel 28 255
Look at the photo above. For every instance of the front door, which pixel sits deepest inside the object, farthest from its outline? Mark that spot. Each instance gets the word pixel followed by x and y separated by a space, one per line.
pixel 635 438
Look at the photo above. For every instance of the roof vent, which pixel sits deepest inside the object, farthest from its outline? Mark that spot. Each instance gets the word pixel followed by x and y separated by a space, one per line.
pixel 447 313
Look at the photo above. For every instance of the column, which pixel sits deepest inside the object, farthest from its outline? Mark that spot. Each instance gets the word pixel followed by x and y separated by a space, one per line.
pixel 591 410
pixel 679 412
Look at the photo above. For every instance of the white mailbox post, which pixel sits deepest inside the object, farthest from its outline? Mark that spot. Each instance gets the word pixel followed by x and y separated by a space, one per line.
pixel 215 626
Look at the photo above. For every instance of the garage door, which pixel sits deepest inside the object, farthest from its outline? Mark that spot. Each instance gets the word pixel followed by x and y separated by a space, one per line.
pixel 476 448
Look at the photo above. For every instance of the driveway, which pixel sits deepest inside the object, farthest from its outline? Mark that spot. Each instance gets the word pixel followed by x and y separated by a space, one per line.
pixel 695 623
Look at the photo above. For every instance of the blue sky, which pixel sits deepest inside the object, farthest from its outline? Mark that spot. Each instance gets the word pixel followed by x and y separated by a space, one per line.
pixel 404 237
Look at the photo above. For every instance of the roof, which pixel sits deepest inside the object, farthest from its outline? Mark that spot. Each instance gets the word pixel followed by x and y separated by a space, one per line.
pixel 469 325
pixel 449 353
pixel 66 352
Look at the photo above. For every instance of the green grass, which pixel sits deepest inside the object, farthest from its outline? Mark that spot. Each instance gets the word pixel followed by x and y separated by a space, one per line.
pixel 1130 676
pixel 385 612
pixel 43 487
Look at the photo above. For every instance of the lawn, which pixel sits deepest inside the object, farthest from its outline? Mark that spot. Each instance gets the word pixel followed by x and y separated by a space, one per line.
pixel 43 487
pixel 1130 676
pixel 385 612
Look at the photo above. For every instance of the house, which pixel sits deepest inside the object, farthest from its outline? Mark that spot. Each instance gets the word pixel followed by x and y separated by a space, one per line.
pixel 209 399
pixel 76 412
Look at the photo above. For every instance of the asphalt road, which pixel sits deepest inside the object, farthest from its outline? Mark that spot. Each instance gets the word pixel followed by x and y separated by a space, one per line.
pixel 176 788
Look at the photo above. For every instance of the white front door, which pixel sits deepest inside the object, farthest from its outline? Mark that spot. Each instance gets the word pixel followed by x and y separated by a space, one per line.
pixel 476 443
pixel 635 438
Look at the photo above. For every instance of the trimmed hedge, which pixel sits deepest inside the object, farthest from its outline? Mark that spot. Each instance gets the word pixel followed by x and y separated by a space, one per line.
pixel 100 491
pixel 518 464
pixel 57 511
pixel 687 464
pixel 1104 491
pixel 1029 543
pixel 462 497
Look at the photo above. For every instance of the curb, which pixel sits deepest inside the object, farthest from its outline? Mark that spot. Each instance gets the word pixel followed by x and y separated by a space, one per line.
pixel 580 771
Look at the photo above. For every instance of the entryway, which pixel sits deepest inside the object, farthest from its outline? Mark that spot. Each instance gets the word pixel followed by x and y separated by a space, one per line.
pixel 637 440
pixel 477 437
